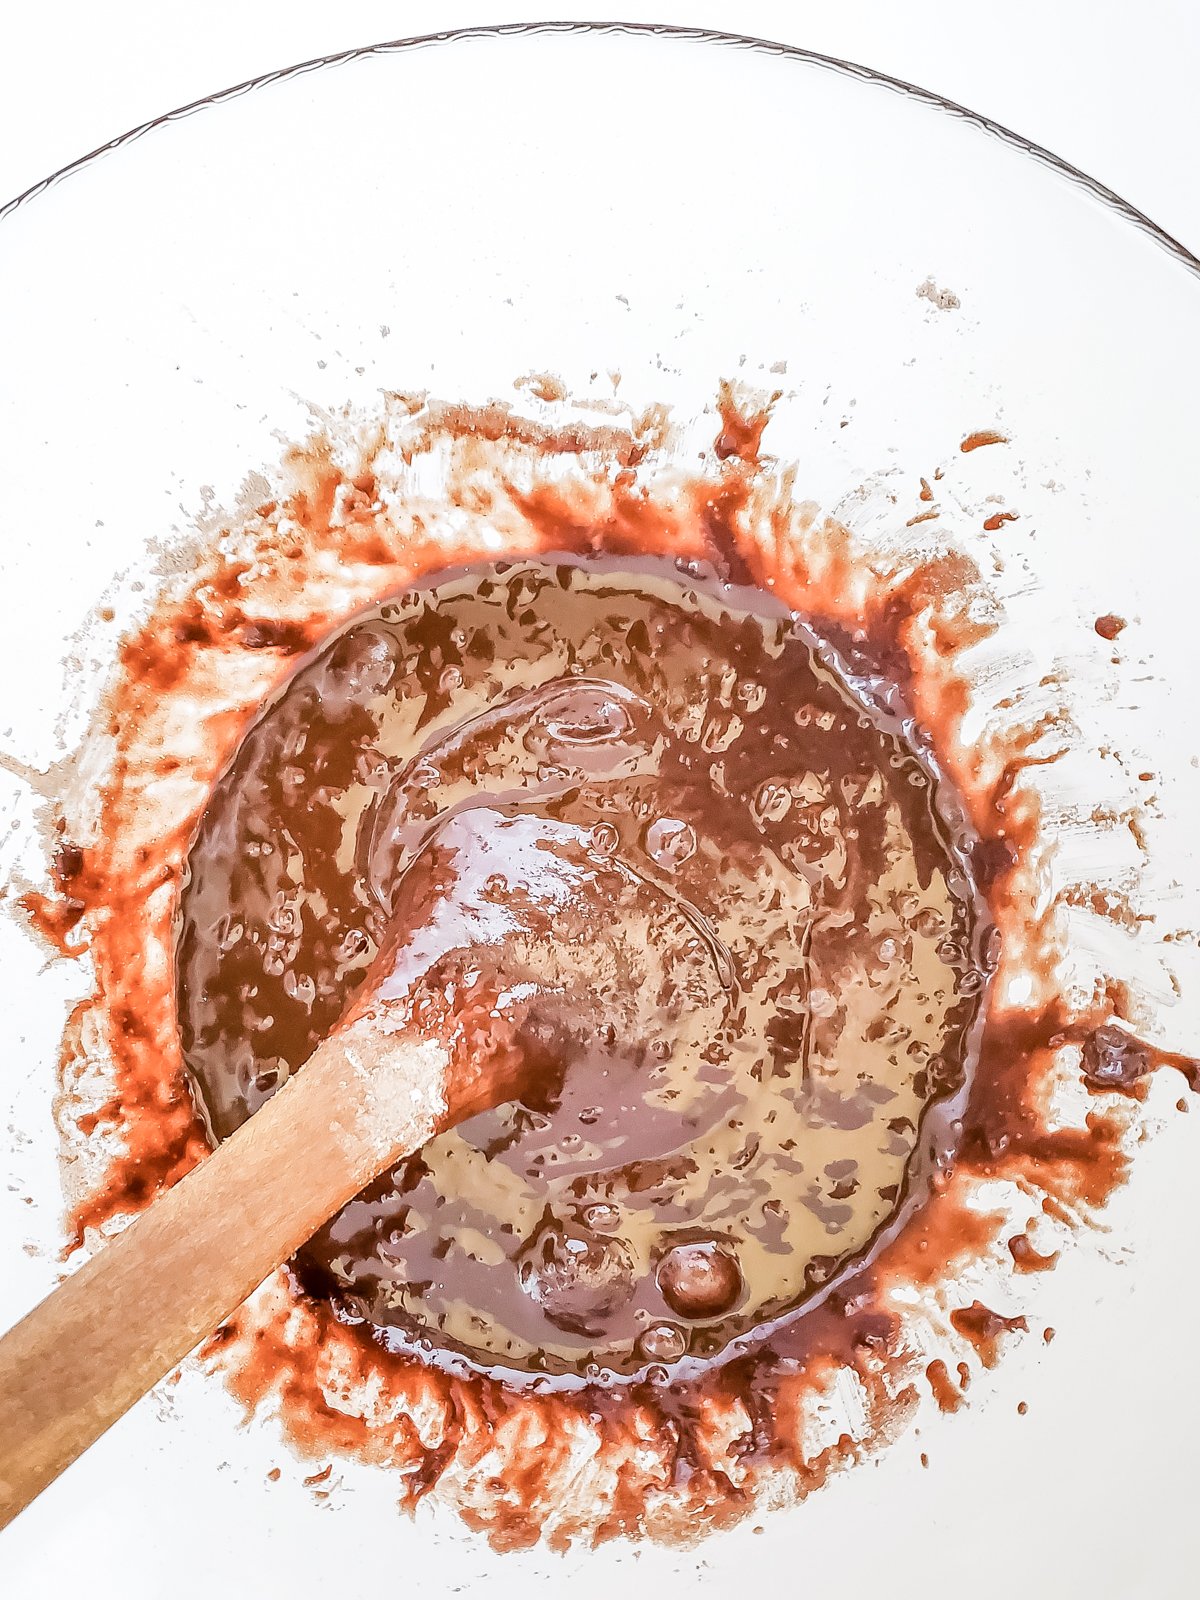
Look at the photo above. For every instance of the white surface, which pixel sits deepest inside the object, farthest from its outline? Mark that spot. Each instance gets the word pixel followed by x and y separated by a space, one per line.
pixel 1100 1503
pixel 1106 85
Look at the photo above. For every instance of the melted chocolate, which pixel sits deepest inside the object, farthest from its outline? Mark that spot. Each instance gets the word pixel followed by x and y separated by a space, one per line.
pixel 693 1441
pixel 747 1053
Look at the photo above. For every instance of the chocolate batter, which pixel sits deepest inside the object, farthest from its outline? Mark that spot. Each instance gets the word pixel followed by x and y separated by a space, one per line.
pixel 789 1301
pixel 759 1059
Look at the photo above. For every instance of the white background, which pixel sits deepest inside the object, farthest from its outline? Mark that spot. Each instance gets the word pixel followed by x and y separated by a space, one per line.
pixel 1109 85
pixel 1106 84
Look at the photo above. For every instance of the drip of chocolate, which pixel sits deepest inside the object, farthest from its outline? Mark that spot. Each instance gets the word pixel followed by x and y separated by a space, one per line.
pixel 754 1062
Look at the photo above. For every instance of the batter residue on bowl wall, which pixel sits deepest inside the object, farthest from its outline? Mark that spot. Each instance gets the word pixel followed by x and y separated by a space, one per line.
pixel 729 1261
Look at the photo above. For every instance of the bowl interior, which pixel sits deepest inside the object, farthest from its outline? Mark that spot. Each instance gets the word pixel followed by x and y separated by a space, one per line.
pixel 642 214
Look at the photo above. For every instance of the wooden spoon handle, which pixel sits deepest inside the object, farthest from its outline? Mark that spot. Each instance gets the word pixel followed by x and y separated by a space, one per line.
pixel 80 1359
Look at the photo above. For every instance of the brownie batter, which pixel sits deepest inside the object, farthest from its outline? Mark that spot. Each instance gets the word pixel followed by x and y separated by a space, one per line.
pixel 746 1187
pixel 761 1057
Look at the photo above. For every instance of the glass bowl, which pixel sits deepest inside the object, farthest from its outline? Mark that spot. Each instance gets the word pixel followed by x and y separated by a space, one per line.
pixel 642 212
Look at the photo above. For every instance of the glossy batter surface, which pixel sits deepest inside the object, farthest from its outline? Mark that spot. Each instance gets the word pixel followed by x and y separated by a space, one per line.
pixel 747 1052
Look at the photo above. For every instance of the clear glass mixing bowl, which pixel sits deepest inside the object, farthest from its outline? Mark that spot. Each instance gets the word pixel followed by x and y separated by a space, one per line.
pixel 642 212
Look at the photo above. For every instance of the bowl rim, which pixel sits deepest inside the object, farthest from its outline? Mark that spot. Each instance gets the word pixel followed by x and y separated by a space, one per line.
pixel 1079 179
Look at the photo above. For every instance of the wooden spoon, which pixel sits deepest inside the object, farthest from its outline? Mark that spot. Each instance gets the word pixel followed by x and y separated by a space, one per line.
pixel 429 1040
